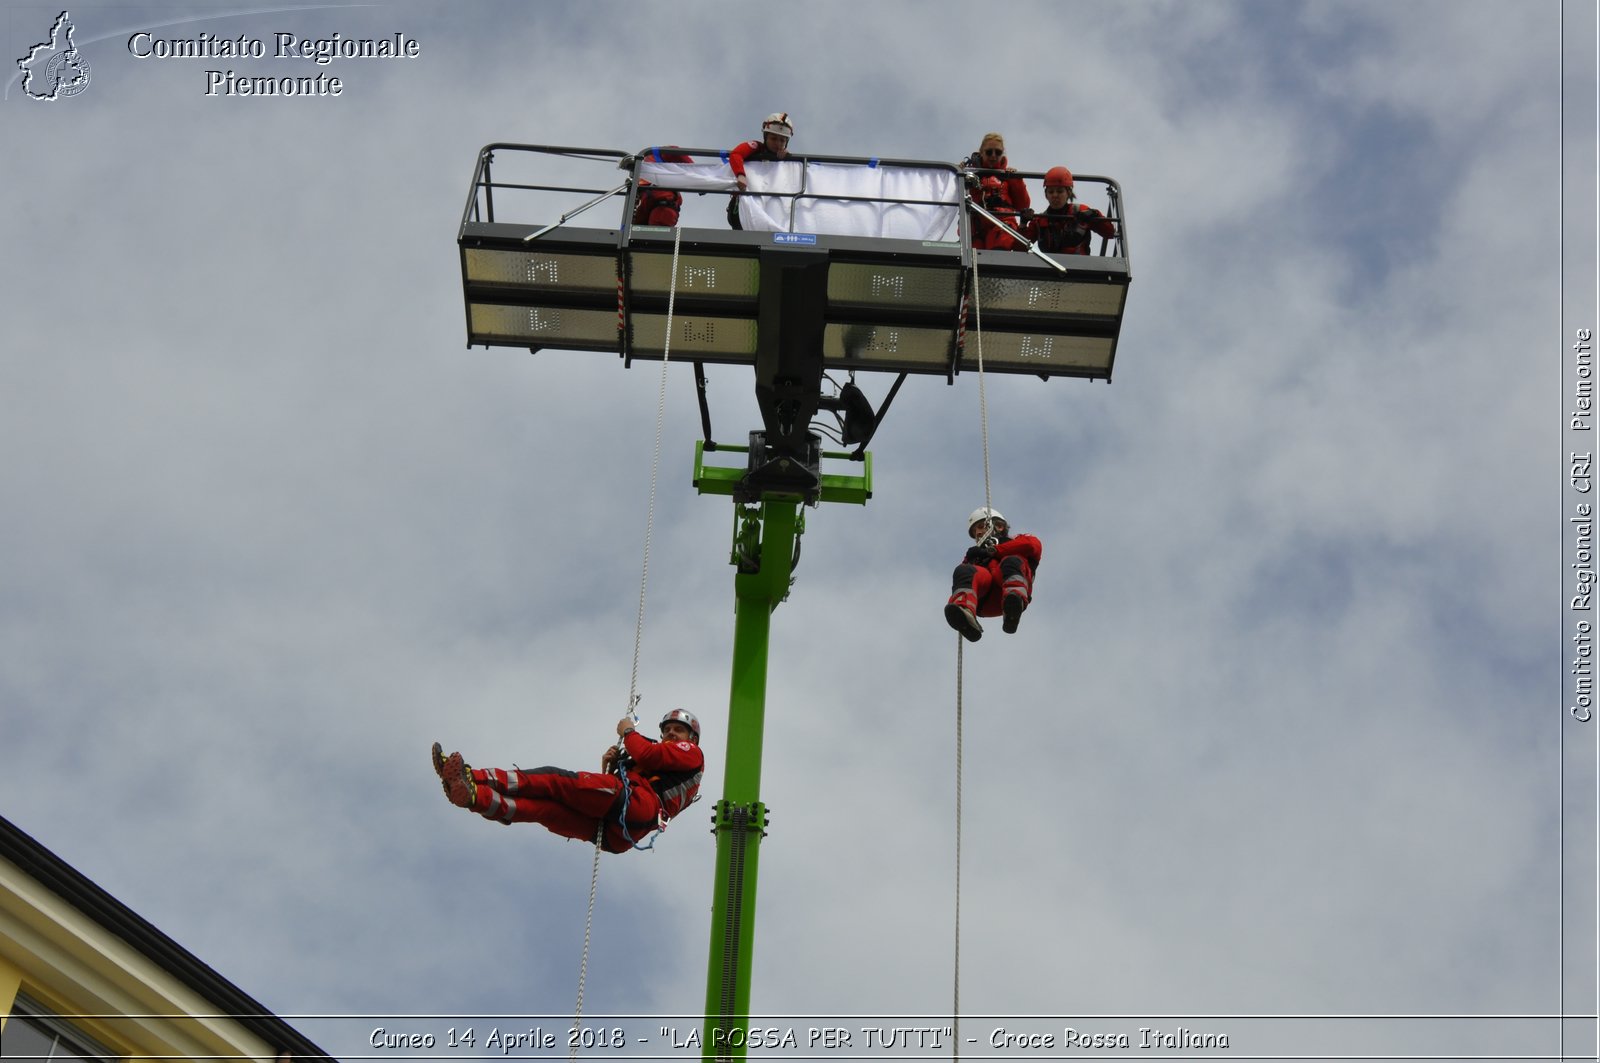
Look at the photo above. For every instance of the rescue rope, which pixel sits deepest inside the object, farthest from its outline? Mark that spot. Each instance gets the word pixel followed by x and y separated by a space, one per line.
pixel 955 1007
pixel 983 398
pixel 638 639
pixel 983 410
pixel 655 467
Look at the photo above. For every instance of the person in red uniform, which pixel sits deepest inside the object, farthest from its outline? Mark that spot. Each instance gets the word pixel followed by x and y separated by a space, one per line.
pixel 991 155
pixel 1066 225
pixel 773 145
pixel 660 779
pixel 659 206
pixel 996 198
pixel 995 578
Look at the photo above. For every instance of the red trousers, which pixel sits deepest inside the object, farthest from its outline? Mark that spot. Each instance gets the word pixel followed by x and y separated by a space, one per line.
pixel 982 588
pixel 573 804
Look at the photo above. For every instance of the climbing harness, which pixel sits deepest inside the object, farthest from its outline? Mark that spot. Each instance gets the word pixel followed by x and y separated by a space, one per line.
pixel 638 637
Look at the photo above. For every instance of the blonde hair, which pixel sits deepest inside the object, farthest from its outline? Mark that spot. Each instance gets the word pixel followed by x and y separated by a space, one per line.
pixel 1000 137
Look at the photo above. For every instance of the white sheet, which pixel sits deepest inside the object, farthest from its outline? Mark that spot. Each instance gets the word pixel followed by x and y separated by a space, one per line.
pixel 933 217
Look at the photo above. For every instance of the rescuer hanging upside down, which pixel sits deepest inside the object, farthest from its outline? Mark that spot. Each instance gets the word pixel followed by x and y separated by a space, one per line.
pixel 995 578
pixel 637 789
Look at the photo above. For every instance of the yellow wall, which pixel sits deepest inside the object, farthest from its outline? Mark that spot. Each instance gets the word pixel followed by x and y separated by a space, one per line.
pixel 10 982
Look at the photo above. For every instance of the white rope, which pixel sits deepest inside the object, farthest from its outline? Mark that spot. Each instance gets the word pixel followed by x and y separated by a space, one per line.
pixel 588 924
pixel 955 1007
pixel 638 631
pixel 983 397
pixel 983 408
pixel 655 466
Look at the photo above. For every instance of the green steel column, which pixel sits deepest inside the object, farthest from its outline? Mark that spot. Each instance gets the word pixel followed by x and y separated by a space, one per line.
pixel 740 817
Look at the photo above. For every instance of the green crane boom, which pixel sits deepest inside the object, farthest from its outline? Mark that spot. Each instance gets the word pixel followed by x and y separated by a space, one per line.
pixel 765 535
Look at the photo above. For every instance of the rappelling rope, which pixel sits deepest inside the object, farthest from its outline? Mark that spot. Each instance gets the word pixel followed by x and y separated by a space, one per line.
pixel 955 1007
pixel 983 397
pixel 638 638
pixel 983 409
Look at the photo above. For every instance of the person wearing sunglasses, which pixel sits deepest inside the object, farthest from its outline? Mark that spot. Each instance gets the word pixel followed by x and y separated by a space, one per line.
pixel 991 155
pixel 986 168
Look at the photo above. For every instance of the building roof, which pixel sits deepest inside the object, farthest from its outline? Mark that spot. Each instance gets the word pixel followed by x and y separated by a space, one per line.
pixel 66 882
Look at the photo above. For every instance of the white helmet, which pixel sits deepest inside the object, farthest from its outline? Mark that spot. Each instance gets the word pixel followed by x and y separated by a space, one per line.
pixel 685 717
pixel 778 122
pixel 983 513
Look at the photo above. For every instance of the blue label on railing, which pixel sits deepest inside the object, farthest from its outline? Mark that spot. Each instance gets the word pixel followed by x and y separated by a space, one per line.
pixel 794 238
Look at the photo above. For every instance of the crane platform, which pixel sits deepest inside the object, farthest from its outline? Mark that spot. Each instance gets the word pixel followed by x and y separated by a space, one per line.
pixel 890 271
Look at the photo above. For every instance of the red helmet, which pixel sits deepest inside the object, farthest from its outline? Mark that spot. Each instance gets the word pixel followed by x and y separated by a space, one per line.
pixel 1058 177
pixel 685 717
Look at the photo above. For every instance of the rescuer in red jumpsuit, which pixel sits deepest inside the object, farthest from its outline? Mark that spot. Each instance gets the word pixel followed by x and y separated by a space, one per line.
pixel 1066 225
pixel 996 198
pixel 991 155
pixel 659 206
pixel 773 145
pixel 662 779
pixel 995 578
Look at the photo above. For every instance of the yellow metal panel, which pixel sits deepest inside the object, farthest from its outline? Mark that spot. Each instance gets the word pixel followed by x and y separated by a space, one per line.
pixel 542 270
pixel 1047 295
pixel 697 274
pixel 1027 352
pixel 542 326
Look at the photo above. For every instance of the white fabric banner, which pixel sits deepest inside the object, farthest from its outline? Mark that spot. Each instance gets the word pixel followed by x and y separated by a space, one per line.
pixel 883 210
pixel 769 213
pixel 689 176
pixel 893 217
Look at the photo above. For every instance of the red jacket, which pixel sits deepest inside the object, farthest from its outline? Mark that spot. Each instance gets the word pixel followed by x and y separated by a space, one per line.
pixel 1028 547
pixel 751 151
pixel 1016 188
pixel 987 234
pixel 1066 232
pixel 671 770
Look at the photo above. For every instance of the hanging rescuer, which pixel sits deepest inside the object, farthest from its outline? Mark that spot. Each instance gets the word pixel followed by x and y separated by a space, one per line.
pixel 995 578
pixel 640 786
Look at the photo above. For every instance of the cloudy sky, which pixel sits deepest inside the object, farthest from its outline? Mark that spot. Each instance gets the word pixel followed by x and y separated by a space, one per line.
pixel 1285 732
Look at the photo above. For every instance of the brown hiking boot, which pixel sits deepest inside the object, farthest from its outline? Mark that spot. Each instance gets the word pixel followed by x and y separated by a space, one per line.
pixel 456 777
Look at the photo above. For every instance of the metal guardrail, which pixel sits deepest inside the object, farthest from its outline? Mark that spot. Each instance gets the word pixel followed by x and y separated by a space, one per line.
pixel 481 204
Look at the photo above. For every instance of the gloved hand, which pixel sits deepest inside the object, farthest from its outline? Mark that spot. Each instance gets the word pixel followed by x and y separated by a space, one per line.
pixel 980 555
